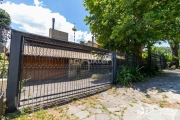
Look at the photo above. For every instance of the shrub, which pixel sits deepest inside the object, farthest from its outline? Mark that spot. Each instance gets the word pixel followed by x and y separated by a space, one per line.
pixel 129 75
pixel 3 66
pixel 149 71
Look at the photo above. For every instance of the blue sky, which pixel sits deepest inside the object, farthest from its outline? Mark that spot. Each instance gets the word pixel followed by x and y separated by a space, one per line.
pixel 163 43
pixel 35 16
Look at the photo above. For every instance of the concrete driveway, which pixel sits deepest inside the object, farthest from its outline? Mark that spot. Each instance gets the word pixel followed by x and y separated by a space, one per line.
pixel 156 99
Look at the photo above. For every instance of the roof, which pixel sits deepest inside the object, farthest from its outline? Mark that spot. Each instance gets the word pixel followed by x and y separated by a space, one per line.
pixel 94 42
pixel 56 47
pixel 50 52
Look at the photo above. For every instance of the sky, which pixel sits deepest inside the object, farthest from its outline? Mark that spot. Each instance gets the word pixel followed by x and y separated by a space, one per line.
pixel 162 44
pixel 35 16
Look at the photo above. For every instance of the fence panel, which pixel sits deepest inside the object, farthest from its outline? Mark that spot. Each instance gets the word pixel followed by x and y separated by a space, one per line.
pixel 54 71
pixel 123 59
pixel 45 71
pixel 156 60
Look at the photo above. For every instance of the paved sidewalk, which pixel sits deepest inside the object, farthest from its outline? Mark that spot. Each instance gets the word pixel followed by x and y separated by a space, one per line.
pixel 157 99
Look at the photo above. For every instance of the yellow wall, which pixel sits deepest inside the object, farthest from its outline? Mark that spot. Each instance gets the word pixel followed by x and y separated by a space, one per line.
pixel 89 43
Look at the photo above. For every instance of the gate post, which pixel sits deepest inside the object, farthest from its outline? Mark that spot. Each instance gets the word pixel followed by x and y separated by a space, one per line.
pixel 14 72
pixel 114 66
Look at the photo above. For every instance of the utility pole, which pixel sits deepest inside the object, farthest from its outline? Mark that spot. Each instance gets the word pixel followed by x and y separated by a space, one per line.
pixel 74 29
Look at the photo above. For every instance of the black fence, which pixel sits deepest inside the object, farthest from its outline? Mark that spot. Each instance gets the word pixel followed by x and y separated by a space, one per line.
pixel 123 59
pixel 130 60
pixel 45 71
pixel 156 60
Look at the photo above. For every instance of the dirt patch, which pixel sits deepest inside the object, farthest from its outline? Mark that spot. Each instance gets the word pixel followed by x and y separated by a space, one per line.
pixel 162 103
pixel 166 104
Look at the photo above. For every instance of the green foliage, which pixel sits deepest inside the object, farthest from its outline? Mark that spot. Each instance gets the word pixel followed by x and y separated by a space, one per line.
pixel 26 109
pixel 41 114
pixel 16 115
pixel 125 25
pixel 23 115
pixel 5 22
pixel 149 71
pixel 169 18
pixel 166 52
pixel 4 16
pixel 163 51
pixel 22 84
pixel 122 25
pixel 129 75
pixel 3 66
pixel 99 76
pixel 145 55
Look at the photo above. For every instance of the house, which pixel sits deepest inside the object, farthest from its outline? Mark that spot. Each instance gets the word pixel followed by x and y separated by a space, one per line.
pixel 89 43
pixel 58 34
pixel 42 63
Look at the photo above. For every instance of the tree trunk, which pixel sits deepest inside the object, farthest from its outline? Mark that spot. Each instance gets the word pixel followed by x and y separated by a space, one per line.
pixel 175 60
pixel 137 53
pixel 149 55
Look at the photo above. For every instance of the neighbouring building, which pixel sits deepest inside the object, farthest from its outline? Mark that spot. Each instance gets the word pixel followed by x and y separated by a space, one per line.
pixel 41 63
pixel 58 34
pixel 89 43
pixel 46 63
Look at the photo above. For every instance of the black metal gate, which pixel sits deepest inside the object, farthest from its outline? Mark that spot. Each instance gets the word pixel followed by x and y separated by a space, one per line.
pixel 48 71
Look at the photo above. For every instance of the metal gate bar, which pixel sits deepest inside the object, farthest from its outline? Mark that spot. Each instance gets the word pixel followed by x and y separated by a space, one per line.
pixel 51 70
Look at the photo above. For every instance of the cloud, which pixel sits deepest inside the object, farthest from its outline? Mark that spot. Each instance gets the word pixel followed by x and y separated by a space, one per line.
pixel 38 19
pixel 38 3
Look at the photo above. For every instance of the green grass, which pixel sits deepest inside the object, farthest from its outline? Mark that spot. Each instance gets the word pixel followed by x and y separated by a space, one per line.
pixel 38 115
pixel 122 112
pixel 104 107
pixel 99 76
pixel 161 104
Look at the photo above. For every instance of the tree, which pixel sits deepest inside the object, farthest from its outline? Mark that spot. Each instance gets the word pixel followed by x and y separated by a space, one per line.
pixel 4 28
pixel 126 25
pixel 5 22
pixel 169 17
pixel 121 25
